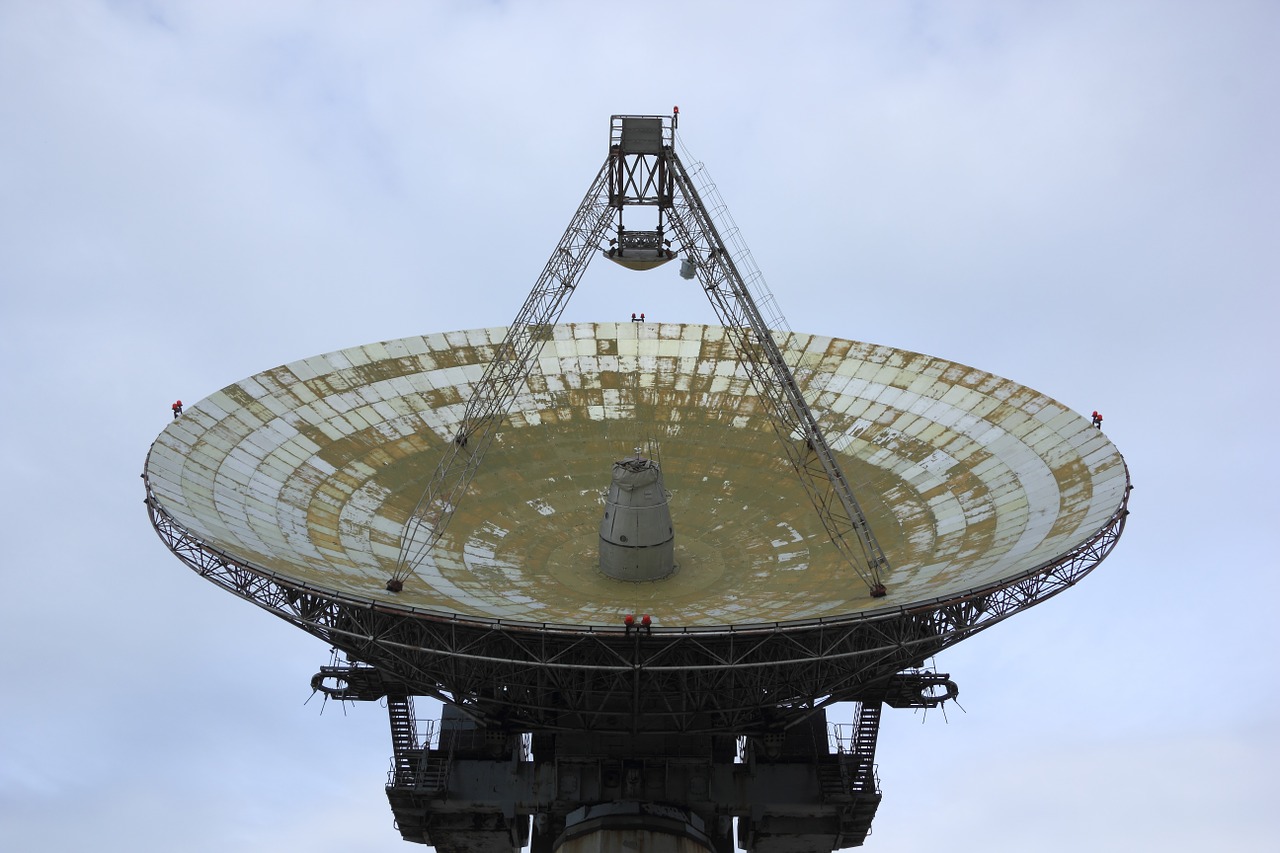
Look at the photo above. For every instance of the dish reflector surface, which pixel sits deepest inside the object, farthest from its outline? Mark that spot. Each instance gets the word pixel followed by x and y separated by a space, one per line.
pixel 308 471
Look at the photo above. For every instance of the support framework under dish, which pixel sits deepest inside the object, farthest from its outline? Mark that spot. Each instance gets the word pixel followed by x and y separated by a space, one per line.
pixel 600 702
pixel 643 170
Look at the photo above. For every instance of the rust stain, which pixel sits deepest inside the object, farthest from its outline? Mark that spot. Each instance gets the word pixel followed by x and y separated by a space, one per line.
pixel 945 508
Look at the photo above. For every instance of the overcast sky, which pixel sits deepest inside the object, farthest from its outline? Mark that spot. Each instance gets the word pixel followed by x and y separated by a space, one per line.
pixel 1083 197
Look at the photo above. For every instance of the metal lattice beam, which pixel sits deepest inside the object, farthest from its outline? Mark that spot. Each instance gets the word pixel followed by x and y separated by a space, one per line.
pixel 802 440
pixel 730 679
pixel 648 174
pixel 504 376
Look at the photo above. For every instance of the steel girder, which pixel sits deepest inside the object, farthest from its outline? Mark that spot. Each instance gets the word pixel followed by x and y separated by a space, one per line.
pixel 760 355
pixel 738 679
pixel 504 376
pixel 650 174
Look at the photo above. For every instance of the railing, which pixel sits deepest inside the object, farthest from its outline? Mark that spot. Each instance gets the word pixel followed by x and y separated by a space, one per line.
pixel 665 122
pixel 855 743
pixel 425 750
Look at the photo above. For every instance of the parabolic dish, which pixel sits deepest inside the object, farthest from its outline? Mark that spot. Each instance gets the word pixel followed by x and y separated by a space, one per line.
pixel 307 472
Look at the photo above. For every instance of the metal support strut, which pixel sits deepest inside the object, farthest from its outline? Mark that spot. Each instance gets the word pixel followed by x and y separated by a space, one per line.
pixel 503 378
pixel 758 350
pixel 642 169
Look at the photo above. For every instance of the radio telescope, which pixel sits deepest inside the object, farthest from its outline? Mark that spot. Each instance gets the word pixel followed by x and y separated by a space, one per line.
pixel 636 561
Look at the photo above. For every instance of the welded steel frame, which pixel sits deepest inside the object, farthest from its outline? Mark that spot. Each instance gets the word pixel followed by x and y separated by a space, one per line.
pixel 639 177
pixel 762 358
pixel 749 679
pixel 652 175
pixel 504 376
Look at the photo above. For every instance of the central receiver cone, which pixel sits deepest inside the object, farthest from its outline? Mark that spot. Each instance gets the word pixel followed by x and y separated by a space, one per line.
pixel 637 542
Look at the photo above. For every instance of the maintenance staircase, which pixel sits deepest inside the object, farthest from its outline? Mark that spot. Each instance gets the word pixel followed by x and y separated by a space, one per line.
pixel 851 778
pixel 414 764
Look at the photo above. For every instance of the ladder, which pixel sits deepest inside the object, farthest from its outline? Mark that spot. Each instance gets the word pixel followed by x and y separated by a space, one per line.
pixel 642 169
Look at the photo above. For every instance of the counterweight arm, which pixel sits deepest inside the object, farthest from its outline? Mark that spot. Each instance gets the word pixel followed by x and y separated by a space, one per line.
pixel 503 378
